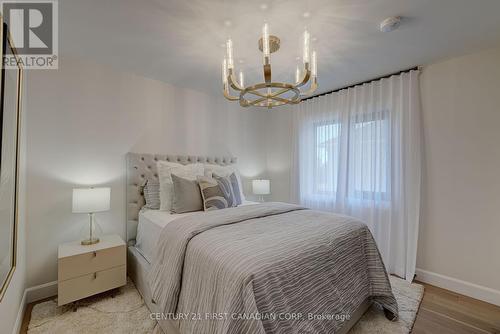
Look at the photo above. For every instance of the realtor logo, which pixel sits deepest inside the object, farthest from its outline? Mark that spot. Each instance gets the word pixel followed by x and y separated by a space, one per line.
pixel 34 32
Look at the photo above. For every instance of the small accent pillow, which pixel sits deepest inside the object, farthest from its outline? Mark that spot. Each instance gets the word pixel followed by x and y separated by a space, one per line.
pixel 151 192
pixel 230 187
pixel 186 196
pixel 217 193
pixel 211 169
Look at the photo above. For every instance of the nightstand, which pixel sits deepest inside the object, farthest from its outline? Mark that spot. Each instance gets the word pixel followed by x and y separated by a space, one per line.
pixel 84 271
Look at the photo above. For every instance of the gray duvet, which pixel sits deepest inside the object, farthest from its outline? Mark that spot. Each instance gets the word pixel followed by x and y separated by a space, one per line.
pixel 267 268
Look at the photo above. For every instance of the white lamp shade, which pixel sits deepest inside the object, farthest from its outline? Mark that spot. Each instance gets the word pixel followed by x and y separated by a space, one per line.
pixel 90 200
pixel 261 187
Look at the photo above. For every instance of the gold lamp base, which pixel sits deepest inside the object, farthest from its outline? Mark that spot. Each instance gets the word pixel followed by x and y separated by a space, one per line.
pixel 92 241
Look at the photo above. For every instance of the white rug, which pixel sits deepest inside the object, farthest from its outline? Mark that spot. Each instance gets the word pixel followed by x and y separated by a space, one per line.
pixel 127 313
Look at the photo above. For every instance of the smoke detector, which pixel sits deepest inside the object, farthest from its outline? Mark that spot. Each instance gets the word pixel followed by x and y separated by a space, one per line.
pixel 390 23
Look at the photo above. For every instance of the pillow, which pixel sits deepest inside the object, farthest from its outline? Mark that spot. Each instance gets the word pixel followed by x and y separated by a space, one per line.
pixel 217 193
pixel 211 169
pixel 186 195
pixel 165 169
pixel 151 192
pixel 230 186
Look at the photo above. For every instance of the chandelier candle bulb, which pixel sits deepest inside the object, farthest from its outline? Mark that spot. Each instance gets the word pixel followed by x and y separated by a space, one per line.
pixel 265 42
pixel 305 55
pixel 224 72
pixel 297 74
pixel 242 79
pixel 314 69
pixel 229 49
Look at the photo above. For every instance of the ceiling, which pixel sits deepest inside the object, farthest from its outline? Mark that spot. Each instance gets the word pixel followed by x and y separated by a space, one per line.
pixel 180 41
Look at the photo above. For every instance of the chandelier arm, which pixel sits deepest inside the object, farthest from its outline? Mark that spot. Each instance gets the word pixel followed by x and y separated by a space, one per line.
pixel 305 78
pixel 229 97
pixel 225 91
pixel 312 89
pixel 231 79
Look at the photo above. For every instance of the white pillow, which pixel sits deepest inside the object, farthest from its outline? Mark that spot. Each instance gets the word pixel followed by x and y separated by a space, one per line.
pixel 165 170
pixel 224 171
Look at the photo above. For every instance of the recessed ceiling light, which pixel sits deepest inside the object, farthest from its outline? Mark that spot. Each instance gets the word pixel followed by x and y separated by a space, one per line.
pixel 306 15
pixel 228 23
pixel 264 6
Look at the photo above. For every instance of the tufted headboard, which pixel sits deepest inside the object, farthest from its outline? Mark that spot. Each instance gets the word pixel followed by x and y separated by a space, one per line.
pixel 141 167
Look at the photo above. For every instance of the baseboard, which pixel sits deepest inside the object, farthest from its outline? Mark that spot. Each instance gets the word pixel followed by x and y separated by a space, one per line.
pixel 472 290
pixel 31 295
pixel 20 315
pixel 41 291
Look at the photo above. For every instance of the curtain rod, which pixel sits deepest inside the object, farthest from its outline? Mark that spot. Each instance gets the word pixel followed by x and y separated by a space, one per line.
pixel 364 82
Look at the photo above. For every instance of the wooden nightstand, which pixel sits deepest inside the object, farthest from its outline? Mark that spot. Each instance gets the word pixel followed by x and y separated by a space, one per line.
pixel 84 271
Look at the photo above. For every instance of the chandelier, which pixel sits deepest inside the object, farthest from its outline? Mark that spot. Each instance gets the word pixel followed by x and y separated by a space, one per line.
pixel 268 93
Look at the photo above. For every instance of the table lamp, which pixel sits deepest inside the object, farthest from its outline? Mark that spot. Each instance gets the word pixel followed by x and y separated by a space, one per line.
pixel 261 188
pixel 90 201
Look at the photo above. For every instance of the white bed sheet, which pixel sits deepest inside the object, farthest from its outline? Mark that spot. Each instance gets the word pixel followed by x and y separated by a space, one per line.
pixel 151 222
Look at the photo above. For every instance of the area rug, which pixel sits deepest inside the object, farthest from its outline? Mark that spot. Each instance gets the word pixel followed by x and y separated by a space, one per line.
pixel 125 312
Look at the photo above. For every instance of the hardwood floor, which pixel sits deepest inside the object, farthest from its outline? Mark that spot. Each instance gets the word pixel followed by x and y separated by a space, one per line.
pixel 446 312
pixel 441 312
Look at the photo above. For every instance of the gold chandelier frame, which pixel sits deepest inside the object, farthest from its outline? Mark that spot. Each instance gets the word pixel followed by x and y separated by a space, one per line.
pixel 269 94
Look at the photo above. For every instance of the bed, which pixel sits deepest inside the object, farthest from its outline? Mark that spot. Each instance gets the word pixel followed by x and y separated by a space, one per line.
pixel 258 268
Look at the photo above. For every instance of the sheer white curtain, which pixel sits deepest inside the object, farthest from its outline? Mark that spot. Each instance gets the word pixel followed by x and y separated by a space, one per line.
pixel 358 152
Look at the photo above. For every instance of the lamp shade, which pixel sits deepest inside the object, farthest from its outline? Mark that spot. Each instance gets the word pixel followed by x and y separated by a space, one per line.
pixel 261 187
pixel 90 200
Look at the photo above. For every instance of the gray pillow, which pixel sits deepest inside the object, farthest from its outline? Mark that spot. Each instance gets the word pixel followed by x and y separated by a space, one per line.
pixel 151 192
pixel 218 192
pixel 230 187
pixel 186 195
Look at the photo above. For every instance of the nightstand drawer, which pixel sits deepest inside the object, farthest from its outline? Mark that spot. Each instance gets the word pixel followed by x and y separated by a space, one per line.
pixel 91 284
pixel 91 262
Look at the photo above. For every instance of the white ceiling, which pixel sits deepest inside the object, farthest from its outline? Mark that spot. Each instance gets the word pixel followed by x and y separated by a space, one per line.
pixel 179 41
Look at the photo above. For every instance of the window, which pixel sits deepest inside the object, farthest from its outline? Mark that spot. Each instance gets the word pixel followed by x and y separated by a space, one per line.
pixel 369 155
pixel 326 164
pixel 367 166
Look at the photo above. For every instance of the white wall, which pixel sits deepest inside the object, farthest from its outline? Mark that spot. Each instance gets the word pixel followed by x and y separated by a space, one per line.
pixel 82 120
pixel 460 224
pixel 278 137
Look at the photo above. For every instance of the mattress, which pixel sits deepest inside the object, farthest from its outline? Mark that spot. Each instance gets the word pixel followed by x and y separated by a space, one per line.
pixel 151 222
